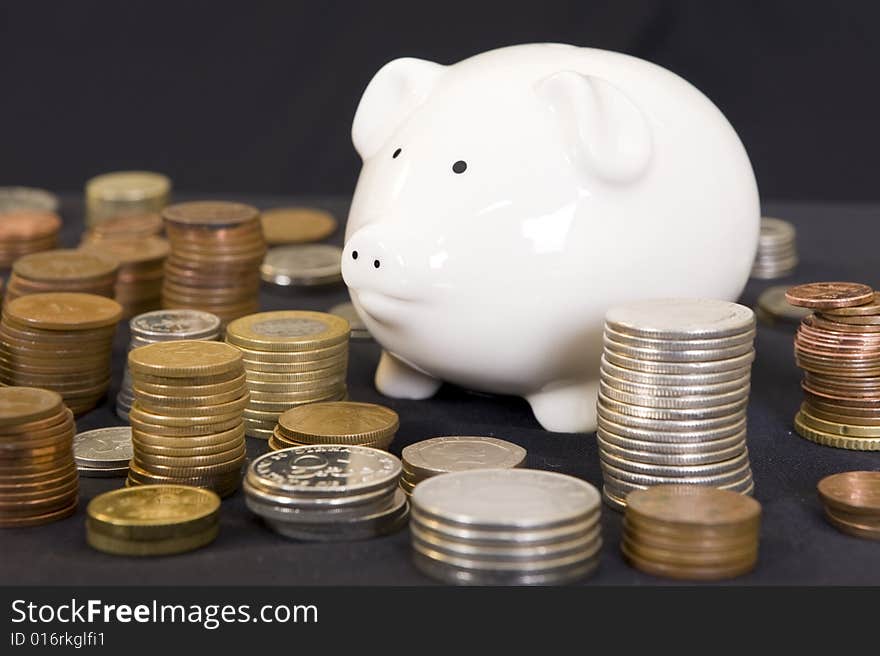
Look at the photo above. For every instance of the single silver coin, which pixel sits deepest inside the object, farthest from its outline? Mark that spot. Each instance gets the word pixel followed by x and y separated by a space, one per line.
pixel 677 355
pixel 671 433
pixel 697 367
pixel 681 318
pixel 285 501
pixel 649 445
pixel 675 469
pixel 440 455
pixel 772 302
pixel 348 312
pixel 776 231
pixel 671 425
pixel 716 480
pixel 27 198
pixel 690 378
pixel 666 344
pixel 673 391
pixel 160 325
pixel 103 447
pixel 673 414
pixel 680 459
pixel 685 402
pixel 309 264
pixel 102 472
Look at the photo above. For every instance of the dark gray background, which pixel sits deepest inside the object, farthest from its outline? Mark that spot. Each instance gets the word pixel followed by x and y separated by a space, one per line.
pixel 258 96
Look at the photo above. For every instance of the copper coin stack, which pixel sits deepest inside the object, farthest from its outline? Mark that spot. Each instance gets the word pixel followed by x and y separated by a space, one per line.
pixel 126 227
pixel 26 231
pixel 216 251
pixel 339 422
pixel 186 420
pixel 141 270
pixel 838 349
pixel 291 358
pixel 691 532
pixel 62 342
pixel 852 502
pixel 38 478
pixel 63 270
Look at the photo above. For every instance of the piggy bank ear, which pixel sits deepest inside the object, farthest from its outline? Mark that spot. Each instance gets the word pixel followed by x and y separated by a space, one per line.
pixel 394 92
pixel 606 133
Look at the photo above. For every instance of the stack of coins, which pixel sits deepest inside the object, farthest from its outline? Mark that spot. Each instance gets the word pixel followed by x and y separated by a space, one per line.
pixel 442 455
pixel 777 253
pixel 26 231
pixel 691 532
pixel 153 520
pixel 216 251
pixel 358 327
pixel 38 481
pixel 125 192
pixel 141 269
pixel 297 225
pixel 103 452
pixel 27 198
pixel 303 266
pixel 164 326
pixel 327 492
pixel 838 349
pixel 60 341
pixel 852 502
pixel 773 307
pixel 186 424
pixel 674 387
pixel 126 227
pixel 340 422
pixel 291 358
pixel 505 527
pixel 63 270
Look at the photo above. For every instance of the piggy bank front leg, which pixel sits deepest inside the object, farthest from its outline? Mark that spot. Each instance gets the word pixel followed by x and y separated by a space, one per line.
pixel 566 407
pixel 398 380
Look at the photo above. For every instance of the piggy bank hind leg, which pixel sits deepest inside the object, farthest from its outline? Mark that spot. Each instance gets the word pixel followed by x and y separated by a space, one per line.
pixel 566 407
pixel 398 380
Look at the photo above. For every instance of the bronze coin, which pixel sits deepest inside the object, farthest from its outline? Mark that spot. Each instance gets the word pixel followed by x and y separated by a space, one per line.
pixel 862 320
pixel 28 224
pixel 868 309
pixel 836 326
pixel 209 213
pixel 692 505
pixel 855 492
pixel 857 529
pixel 823 295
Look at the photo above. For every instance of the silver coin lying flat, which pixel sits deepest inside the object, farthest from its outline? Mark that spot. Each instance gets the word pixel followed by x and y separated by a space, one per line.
pixel 175 324
pixel 103 447
pixel 306 265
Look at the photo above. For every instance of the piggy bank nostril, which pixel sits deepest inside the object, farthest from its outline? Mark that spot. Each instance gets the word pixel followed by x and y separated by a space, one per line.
pixel 376 263
pixel 354 255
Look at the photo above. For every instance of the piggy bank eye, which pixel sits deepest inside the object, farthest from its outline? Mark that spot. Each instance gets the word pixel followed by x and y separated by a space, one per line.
pixel 396 153
pixel 459 167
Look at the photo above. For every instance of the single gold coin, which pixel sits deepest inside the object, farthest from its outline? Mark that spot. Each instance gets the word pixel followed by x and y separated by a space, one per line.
pixel 158 547
pixel 221 410
pixel 297 225
pixel 837 441
pixel 20 405
pixel 64 311
pixel 62 265
pixel 210 440
pixel 207 390
pixel 179 359
pixel 184 420
pixel 342 420
pixel 288 330
pixel 296 360
pixel 156 402
pixel 182 429
pixel 837 428
pixel 177 461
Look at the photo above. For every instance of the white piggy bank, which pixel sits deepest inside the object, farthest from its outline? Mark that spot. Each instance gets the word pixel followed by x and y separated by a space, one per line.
pixel 507 201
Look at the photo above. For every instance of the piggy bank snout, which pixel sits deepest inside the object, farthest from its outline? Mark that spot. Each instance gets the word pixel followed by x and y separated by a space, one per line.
pixel 371 261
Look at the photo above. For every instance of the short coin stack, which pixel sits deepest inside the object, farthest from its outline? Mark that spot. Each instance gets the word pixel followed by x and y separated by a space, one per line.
pixel 838 349
pixel 443 455
pixel 164 326
pixel 777 253
pixel 186 424
pixel 38 480
pixel 327 492
pixel 125 227
pixel 852 502
pixel 23 232
pixel 297 225
pixel 152 520
pixel 674 387
pixel 103 452
pixel 141 270
pixel 291 358
pixel 691 532
pixel 62 342
pixel 125 192
pixel 506 527
pixel 63 270
pixel 303 266
pixel 339 422
pixel 216 251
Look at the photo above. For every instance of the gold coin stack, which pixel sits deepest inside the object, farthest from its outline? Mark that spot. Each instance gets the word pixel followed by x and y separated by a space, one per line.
pixel 38 478
pixel 216 251
pixel 141 270
pixel 340 422
pixel 186 421
pixel 63 270
pixel 152 520
pixel 291 358
pixel 125 192
pixel 852 502
pixel 126 227
pixel 62 342
pixel 26 231
pixel 691 532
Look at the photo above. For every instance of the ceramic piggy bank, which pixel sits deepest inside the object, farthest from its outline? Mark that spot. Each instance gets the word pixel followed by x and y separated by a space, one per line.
pixel 507 201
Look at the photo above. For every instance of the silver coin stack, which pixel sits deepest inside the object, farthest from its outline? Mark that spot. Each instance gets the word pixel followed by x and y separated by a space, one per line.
pixel 302 265
pixel 506 527
pixel 327 492
pixel 103 452
pixel 164 326
pixel 777 251
pixel 442 455
pixel 673 392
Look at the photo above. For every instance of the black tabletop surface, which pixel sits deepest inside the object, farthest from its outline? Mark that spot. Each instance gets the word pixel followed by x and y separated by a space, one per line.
pixel 836 242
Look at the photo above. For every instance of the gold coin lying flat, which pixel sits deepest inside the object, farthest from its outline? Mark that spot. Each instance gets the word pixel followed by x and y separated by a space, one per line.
pixel 297 225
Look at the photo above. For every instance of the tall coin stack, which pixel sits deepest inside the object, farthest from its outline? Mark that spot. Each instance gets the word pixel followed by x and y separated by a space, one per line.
pixel 291 358
pixel 38 478
pixel 327 492
pixel 506 527
pixel 186 422
pixel 26 231
pixel 777 252
pixel 674 388
pixel 691 532
pixel 125 192
pixel 63 270
pixel 141 269
pixel 216 251
pixel 443 455
pixel 62 342
pixel 838 349
pixel 164 326
pixel 341 422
